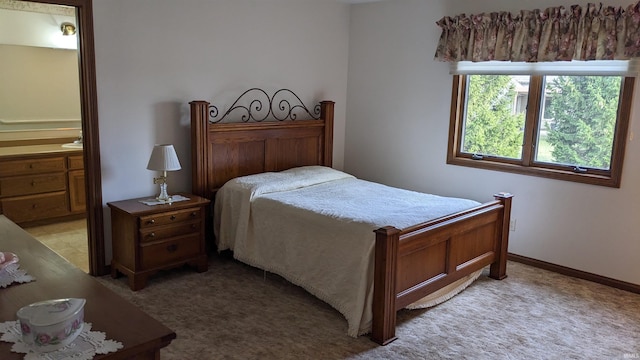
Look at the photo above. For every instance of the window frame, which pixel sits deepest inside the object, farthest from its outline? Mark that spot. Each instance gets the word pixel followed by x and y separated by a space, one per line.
pixel 527 165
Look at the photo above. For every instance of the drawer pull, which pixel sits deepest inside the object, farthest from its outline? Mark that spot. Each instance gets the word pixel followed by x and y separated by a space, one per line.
pixel 33 183
pixel 152 221
pixel 152 235
pixel 172 248
pixel 34 206
pixel 173 217
pixel 193 226
pixel 193 214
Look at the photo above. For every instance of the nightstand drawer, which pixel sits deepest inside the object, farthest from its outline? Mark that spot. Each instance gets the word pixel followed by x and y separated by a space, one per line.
pixel 158 233
pixel 162 253
pixel 169 217
pixel 36 184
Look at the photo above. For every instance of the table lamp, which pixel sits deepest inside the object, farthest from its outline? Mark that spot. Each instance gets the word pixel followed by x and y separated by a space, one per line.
pixel 163 158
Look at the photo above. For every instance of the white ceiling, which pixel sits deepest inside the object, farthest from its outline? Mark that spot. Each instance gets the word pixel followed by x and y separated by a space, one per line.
pixel 32 24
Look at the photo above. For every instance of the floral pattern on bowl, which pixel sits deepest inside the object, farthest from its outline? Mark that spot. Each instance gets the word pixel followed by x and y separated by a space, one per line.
pixel 52 324
pixel 6 259
pixel 46 339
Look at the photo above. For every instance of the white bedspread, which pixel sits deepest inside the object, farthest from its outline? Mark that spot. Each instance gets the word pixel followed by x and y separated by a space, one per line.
pixel 314 226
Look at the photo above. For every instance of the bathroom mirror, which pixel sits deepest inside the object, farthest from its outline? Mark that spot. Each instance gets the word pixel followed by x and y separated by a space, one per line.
pixel 40 96
pixel 66 126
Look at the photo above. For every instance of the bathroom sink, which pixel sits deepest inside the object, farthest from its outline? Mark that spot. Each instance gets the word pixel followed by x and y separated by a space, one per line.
pixel 72 146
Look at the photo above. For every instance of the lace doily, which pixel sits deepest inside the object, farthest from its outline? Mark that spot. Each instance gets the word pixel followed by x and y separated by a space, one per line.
pixel 13 273
pixel 172 199
pixel 87 345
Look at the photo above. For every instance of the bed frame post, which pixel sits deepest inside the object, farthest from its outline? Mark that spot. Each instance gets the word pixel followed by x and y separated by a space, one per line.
pixel 199 132
pixel 326 113
pixel 384 285
pixel 498 268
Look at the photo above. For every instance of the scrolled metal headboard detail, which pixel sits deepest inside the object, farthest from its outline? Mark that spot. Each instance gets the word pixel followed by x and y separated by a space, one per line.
pixel 284 104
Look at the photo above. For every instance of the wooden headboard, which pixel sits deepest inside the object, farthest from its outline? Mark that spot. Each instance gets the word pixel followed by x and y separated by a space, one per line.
pixel 222 151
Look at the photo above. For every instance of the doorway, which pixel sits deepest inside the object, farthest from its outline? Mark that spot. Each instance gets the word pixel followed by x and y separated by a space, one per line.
pixel 67 238
pixel 89 124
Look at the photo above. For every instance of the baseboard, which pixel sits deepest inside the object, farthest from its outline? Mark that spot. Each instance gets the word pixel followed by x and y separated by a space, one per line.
pixel 622 285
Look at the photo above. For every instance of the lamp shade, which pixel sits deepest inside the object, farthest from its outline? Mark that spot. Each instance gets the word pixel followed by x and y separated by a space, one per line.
pixel 164 158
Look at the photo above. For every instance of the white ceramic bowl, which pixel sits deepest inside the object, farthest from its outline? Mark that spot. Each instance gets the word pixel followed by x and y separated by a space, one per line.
pixel 52 324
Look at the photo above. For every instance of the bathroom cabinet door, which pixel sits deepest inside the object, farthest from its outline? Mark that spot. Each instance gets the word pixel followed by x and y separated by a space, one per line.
pixel 77 198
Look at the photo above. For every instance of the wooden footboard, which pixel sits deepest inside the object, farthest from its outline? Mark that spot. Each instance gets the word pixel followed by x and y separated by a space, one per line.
pixel 414 262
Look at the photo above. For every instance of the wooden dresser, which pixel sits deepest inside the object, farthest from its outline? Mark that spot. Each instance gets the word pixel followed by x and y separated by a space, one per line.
pixel 141 335
pixel 37 188
pixel 148 238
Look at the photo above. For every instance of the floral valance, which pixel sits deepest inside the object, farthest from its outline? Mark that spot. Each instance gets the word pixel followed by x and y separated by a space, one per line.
pixel 591 32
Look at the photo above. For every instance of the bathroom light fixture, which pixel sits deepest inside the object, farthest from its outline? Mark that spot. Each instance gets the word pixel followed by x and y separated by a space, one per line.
pixel 68 29
pixel 163 158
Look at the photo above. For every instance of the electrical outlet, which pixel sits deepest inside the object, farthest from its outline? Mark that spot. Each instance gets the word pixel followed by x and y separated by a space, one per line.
pixel 512 225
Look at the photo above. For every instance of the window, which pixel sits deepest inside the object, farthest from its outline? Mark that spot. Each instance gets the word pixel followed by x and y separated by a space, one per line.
pixel 561 125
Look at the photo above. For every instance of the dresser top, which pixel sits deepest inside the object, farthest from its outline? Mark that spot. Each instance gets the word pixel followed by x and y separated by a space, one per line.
pixel 56 278
pixel 136 207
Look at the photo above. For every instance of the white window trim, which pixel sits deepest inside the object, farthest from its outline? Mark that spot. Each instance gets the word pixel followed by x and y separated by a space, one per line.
pixel 628 68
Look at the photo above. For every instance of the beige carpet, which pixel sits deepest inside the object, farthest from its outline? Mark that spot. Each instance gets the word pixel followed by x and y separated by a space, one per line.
pixel 234 312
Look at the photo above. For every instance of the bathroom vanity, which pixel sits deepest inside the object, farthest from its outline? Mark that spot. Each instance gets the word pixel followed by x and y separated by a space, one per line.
pixel 40 184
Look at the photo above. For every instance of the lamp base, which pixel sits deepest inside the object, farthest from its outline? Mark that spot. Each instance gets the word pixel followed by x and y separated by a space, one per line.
pixel 164 197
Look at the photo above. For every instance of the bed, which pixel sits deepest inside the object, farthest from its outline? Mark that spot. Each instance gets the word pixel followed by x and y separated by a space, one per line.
pixel 404 257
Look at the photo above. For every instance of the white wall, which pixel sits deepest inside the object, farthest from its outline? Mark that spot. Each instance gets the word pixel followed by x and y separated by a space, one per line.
pixel 397 130
pixel 154 56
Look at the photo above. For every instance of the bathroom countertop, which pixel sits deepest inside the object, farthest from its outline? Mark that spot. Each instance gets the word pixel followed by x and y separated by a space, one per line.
pixel 35 149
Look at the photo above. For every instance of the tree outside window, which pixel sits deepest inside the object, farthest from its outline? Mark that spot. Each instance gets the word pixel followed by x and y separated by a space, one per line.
pixel 584 112
pixel 558 126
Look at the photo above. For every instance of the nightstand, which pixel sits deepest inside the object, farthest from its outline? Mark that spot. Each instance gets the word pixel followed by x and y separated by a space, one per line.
pixel 149 238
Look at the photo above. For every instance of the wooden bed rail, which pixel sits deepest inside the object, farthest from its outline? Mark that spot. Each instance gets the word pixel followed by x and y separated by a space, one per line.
pixel 412 263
